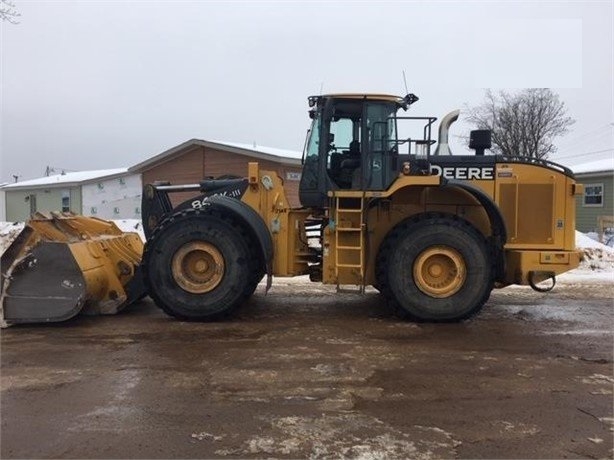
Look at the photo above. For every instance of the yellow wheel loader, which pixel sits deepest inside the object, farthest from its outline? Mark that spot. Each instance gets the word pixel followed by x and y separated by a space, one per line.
pixel 61 264
pixel 433 232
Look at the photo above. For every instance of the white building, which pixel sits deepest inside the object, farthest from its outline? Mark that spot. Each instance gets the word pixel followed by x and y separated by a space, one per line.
pixel 108 194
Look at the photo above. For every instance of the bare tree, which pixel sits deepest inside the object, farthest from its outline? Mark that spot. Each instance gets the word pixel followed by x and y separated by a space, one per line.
pixel 523 123
pixel 8 12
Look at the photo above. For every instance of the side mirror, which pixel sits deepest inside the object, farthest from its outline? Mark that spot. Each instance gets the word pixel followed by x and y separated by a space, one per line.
pixel 479 140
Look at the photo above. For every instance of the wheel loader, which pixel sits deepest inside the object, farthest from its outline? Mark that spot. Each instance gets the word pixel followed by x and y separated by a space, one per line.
pixel 433 232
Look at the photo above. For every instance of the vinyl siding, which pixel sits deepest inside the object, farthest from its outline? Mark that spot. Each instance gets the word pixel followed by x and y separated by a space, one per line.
pixel 586 216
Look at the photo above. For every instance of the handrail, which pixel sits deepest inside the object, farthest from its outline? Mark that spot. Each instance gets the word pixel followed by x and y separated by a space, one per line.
pixel 532 160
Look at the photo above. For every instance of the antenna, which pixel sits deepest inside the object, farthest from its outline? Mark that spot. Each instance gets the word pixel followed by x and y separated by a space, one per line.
pixel 321 87
pixel 405 82
pixel 54 169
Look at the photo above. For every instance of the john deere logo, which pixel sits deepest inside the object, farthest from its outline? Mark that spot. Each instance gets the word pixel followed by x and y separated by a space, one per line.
pixel 464 172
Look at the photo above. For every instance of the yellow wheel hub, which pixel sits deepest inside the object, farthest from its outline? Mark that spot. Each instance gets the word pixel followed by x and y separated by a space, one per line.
pixel 439 271
pixel 198 267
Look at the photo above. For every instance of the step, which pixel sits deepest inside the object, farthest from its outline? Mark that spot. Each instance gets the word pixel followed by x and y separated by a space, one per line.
pixel 349 210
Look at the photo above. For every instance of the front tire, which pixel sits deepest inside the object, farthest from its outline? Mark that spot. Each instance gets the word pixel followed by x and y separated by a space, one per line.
pixel 436 268
pixel 199 267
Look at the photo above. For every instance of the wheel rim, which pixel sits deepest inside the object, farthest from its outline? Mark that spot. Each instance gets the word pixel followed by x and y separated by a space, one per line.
pixel 198 267
pixel 439 271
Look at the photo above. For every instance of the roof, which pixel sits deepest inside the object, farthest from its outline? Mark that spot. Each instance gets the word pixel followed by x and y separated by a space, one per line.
pixel 281 153
pixel 595 167
pixel 288 157
pixel 66 180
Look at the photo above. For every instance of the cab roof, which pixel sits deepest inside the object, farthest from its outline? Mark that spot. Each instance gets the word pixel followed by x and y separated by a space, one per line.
pixel 379 97
pixel 400 101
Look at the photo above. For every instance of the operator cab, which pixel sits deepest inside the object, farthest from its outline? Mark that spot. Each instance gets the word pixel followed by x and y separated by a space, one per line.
pixel 352 144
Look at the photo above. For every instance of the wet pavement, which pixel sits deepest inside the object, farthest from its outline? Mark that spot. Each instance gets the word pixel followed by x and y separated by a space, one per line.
pixel 303 372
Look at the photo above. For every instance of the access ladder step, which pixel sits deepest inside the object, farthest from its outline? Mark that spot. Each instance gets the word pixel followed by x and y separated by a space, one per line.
pixel 350 244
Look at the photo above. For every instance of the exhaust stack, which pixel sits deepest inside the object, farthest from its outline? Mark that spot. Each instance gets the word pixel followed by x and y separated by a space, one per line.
pixel 443 147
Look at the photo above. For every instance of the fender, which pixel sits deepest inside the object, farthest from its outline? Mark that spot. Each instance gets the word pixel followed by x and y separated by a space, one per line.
pixel 255 225
pixel 155 207
pixel 497 223
pixel 156 204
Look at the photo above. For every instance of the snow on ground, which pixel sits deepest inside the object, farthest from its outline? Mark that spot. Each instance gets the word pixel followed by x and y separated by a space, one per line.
pixel 582 275
pixel 597 263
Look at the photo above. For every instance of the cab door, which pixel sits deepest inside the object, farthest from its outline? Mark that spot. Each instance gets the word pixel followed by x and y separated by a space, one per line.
pixel 380 145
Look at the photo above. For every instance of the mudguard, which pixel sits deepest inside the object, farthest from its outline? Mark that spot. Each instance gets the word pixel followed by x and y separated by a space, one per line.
pixel 253 222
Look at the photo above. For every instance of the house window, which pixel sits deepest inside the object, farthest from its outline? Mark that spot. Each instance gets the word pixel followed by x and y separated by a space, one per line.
pixel 65 200
pixel 593 195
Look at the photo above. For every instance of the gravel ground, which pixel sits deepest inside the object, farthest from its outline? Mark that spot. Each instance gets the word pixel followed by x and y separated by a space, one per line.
pixel 303 372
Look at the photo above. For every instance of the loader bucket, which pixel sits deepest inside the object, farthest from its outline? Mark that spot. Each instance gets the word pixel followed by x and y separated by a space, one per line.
pixel 62 264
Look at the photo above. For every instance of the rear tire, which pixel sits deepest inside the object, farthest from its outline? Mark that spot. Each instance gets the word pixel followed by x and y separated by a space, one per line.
pixel 436 268
pixel 200 267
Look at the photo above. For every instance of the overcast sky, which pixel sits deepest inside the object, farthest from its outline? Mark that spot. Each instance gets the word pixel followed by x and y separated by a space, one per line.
pixel 102 84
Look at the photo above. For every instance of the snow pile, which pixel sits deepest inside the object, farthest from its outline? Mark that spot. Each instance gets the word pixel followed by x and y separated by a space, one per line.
pixel 8 232
pixel 131 225
pixel 596 256
pixel 589 240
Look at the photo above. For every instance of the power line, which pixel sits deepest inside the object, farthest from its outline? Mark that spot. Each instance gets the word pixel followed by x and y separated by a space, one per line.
pixel 586 153
pixel 580 137
pixel 579 143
